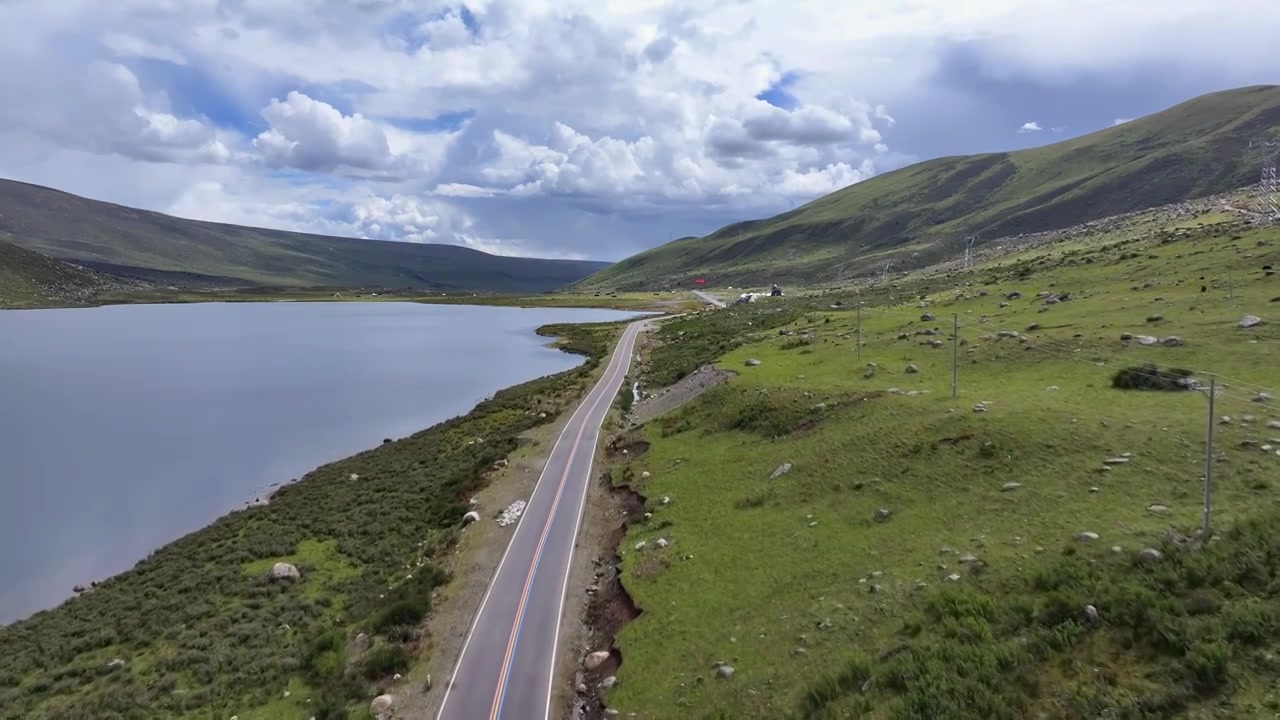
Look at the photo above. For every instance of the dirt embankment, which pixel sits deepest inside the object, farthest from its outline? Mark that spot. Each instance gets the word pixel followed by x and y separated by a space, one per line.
pixel 669 398
pixel 609 606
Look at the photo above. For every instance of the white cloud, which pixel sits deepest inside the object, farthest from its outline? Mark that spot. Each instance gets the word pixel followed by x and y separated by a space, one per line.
pixel 587 120
pixel 1030 127
pixel 1121 121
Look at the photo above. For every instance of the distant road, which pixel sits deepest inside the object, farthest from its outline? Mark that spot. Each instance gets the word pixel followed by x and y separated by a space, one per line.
pixel 713 300
pixel 507 666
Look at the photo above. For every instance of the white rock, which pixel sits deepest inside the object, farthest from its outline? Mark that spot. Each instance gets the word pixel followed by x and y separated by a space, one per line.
pixel 512 513
pixel 1010 486
pixel 641 545
pixel 285 571
pixel 471 517
pixel 781 470
pixel 593 661
pixel 953 577
pixel 661 542
pixel 382 705
pixel 1087 536
pixel 1249 321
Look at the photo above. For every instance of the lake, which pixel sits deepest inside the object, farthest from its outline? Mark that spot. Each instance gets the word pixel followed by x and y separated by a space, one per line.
pixel 123 428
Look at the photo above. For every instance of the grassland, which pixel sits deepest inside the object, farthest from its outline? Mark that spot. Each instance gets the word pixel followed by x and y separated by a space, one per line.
pixel 971 598
pixel 915 215
pixel 29 279
pixel 199 630
pixel 162 250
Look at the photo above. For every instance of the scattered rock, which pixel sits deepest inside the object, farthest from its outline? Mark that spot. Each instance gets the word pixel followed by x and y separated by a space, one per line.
pixel 1146 340
pixel 116 663
pixel 1033 327
pixel 966 559
pixel 1091 614
pixel 979 408
pixel 1249 321
pixel 1154 318
pixel 911 369
pixel 1053 388
pixel 1087 536
pixel 593 661
pixel 285 571
pixel 724 670
pixel 471 517
pixel 1158 509
pixel 781 470
pixel 661 542
pixel 512 513
pixel 752 362
pixel 1121 460
pixel 1010 486
pixel 641 545
pixel 1150 555
pixel 928 317
pixel 1172 341
pixel 953 577
pixel 1126 336
pixel 882 515
pixel 1261 397
pixel 382 705
pixel 608 682
pixel 645 475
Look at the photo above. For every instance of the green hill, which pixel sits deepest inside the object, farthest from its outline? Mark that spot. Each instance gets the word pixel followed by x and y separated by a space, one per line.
pixel 916 216
pixel 29 279
pixel 152 246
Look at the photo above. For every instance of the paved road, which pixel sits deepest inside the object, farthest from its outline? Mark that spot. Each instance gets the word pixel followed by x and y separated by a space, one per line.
pixel 507 665
pixel 713 300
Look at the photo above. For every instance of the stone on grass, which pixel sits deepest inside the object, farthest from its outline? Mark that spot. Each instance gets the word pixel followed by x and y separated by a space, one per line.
pixel 1087 536
pixel 927 317
pixel 781 470
pixel 1249 321
pixel 1150 555
pixel 1157 508
pixel 1146 339
pixel 723 670
pixel 1091 614
pixel 752 362
pixel 953 577
pixel 1010 486
pixel 1172 341
pixel 285 571
pixel 608 682
pixel 471 517
pixel 882 514
pixel 1154 318
pixel 911 369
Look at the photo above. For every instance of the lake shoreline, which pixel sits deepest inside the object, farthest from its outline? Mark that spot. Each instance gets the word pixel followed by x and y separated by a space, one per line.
pixel 348 568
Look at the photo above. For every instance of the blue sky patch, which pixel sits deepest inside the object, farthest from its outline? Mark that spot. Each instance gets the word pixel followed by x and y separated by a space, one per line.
pixel 447 122
pixel 779 95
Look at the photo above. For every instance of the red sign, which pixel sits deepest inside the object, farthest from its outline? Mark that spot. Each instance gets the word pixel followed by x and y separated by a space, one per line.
pixel 700 281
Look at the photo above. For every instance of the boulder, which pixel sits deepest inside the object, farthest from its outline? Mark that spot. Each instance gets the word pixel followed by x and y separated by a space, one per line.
pixel 593 661
pixel 285 571
pixel 381 705
pixel 471 517
pixel 1249 321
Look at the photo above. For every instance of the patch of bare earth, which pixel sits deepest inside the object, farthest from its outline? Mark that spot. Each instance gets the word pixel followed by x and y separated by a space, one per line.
pixel 669 398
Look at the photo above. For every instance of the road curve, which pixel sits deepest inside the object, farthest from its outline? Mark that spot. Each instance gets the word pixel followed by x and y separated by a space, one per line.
pixel 507 666
pixel 713 300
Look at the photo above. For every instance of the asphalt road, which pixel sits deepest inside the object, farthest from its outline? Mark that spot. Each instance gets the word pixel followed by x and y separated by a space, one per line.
pixel 713 300
pixel 507 665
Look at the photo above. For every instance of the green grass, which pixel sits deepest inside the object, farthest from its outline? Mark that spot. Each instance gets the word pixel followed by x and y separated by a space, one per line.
pixel 205 633
pixel 794 582
pixel 915 215
pixel 163 250
pixel 29 279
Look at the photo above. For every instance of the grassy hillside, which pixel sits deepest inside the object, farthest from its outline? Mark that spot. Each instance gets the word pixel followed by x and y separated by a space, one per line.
pixel 976 594
pixel 156 247
pixel 29 279
pixel 916 215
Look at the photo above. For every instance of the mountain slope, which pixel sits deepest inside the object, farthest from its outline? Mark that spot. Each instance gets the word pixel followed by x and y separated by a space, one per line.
pixel 124 240
pixel 28 278
pixel 917 215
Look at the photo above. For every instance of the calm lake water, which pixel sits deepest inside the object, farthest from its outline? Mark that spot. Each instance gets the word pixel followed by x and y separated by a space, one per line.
pixel 123 428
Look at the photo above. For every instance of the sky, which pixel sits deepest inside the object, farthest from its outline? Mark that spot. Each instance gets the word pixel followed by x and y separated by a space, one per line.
pixel 588 129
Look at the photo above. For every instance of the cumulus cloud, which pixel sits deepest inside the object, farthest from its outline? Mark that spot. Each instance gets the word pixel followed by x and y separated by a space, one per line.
pixel 569 127
pixel 311 135
pixel 1030 127
pixel 1121 121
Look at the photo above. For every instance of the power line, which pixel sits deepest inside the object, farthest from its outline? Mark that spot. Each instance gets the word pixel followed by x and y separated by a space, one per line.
pixel 1269 187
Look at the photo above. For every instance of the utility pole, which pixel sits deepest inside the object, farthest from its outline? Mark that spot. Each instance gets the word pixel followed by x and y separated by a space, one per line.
pixel 859 333
pixel 1208 460
pixel 955 351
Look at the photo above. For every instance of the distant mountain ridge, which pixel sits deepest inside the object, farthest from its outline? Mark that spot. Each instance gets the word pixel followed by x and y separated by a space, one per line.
pixel 917 215
pixel 158 247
